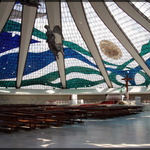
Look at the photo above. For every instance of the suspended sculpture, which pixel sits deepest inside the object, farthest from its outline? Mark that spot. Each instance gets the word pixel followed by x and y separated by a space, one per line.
pixel 110 49
pixel 33 3
pixel 54 47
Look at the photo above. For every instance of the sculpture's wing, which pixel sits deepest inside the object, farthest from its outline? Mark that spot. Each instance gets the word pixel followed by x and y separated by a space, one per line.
pixel 58 30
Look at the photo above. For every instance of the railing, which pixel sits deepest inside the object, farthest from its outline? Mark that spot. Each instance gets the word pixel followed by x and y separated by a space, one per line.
pixel 58 102
pixel 146 104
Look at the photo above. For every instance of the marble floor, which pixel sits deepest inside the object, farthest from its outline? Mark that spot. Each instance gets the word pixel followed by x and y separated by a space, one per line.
pixel 123 132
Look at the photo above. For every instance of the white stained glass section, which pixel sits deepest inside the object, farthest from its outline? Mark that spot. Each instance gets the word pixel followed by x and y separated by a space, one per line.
pixel 37 87
pixel 69 29
pixel 143 7
pixel 16 14
pixel 134 31
pixel 77 59
pixel 137 77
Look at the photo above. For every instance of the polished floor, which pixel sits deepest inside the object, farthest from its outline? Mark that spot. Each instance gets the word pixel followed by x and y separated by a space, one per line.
pixel 123 132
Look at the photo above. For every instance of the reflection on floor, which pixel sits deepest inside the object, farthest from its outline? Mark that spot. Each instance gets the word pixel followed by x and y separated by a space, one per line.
pixel 127 131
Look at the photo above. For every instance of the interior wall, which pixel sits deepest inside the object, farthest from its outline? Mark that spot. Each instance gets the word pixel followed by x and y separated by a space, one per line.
pixel 43 99
pixel 92 98
pixel 144 97
pixel 30 99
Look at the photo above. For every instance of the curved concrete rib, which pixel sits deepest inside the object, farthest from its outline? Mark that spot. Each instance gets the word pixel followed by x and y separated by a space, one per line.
pixel 103 13
pixel 126 7
pixel 5 10
pixel 54 18
pixel 77 12
pixel 29 14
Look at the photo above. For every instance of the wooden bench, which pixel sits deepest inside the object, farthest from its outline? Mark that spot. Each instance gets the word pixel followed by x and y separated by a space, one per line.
pixel 26 120
pixel 9 123
pixel 75 115
pixel 61 118
pixel 44 119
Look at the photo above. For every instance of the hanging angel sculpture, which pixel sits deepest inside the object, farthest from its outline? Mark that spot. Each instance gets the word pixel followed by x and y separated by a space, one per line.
pixel 55 48
pixel 33 3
